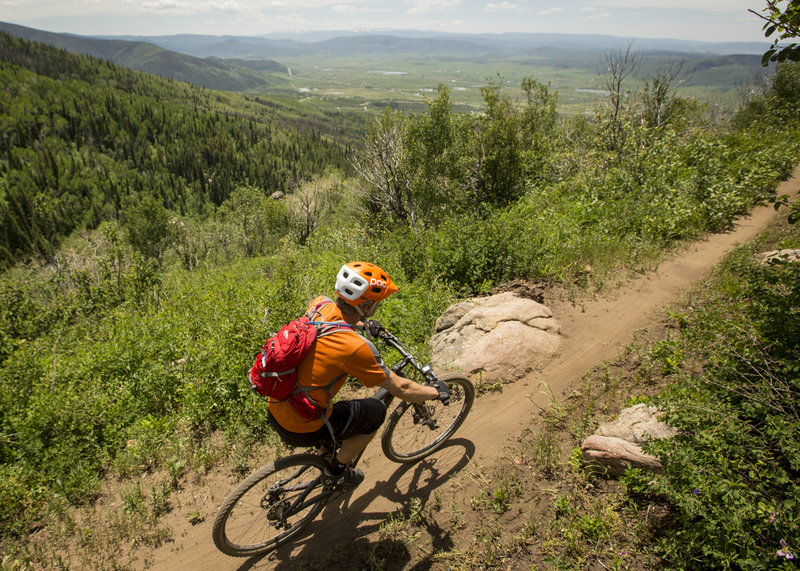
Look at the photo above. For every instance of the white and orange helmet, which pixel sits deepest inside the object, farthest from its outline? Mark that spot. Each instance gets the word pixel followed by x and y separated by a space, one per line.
pixel 364 286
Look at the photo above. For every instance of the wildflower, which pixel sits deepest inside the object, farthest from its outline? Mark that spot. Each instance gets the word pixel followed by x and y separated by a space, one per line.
pixel 772 516
pixel 695 492
pixel 784 551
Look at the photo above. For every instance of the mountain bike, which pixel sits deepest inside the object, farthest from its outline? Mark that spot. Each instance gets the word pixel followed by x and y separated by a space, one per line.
pixel 277 501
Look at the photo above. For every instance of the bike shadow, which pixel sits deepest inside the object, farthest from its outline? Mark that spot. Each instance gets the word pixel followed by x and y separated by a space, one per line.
pixel 346 521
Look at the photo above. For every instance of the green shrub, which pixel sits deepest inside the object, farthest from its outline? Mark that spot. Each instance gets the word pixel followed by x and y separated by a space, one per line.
pixel 733 473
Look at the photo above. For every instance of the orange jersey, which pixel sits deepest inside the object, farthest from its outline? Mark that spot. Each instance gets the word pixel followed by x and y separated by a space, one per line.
pixel 336 355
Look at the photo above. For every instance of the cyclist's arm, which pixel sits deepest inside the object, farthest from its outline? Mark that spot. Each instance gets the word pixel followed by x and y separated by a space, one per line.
pixel 407 389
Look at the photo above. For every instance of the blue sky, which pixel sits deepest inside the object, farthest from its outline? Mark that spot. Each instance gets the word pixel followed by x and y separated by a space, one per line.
pixel 711 20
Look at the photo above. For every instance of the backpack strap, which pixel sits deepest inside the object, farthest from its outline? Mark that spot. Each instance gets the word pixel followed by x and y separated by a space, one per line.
pixel 316 309
pixel 329 387
pixel 265 374
pixel 324 414
pixel 325 327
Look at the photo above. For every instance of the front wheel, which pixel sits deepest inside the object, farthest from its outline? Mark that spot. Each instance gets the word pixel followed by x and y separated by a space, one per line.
pixel 414 431
pixel 272 505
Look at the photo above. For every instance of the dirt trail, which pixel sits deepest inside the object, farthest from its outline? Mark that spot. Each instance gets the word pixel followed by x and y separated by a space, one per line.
pixel 593 332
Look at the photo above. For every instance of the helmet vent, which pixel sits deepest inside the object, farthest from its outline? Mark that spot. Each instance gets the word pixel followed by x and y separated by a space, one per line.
pixel 377 290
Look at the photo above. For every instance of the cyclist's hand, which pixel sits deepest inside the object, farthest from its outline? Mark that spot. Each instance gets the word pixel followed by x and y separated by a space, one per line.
pixel 444 391
pixel 374 327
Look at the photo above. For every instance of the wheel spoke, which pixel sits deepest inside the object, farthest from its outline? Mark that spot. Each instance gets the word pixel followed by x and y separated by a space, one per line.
pixel 415 430
pixel 270 506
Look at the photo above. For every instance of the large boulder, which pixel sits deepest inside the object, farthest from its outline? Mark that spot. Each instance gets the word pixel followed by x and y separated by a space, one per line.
pixel 502 337
pixel 616 445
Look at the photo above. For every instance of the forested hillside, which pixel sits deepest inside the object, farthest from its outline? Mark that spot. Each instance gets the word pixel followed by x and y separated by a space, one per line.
pixel 81 139
pixel 145 262
pixel 212 73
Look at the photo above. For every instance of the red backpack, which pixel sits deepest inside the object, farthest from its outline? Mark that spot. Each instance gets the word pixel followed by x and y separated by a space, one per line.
pixel 274 374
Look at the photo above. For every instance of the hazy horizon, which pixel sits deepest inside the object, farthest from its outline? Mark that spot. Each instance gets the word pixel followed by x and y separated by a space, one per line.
pixel 699 20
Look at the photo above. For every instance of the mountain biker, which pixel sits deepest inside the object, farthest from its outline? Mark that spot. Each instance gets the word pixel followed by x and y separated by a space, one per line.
pixel 360 288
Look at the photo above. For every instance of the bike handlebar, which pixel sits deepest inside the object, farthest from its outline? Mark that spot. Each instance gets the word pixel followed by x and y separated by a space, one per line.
pixel 379 331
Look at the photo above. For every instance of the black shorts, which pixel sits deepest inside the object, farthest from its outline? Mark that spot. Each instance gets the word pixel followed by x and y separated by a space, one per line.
pixel 348 418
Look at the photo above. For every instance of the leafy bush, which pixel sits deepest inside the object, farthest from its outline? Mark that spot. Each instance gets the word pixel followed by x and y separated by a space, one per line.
pixel 604 216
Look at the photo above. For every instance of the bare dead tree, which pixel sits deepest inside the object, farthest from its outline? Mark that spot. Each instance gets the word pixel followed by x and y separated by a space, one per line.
pixel 659 94
pixel 620 64
pixel 754 88
pixel 386 184
pixel 309 203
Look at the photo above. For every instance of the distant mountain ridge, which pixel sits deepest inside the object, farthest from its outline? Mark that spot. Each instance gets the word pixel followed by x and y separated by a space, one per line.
pixel 395 41
pixel 251 63
pixel 326 43
pixel 140 55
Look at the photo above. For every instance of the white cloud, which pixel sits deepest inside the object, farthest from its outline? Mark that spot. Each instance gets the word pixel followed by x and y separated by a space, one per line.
pixel 551 11
pixel 247 8
pixel 189 7
pixel 597 16
pixel 337 5
pixel 705 5
pixel 723 19
pixel 427 6
pixel 361 8
pixel 500 7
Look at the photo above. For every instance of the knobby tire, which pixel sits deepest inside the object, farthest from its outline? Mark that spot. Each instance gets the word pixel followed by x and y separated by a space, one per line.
pixel 409 436
pixel 250 520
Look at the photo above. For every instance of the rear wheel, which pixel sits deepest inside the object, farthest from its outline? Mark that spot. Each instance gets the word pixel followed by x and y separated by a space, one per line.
pixel 272 505
pixel 414 431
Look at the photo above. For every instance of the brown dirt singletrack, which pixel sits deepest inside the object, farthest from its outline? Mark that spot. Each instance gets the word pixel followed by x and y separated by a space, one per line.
pixel 593 331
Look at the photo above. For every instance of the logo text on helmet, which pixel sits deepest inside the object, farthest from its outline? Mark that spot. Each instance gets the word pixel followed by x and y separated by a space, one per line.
pixel 377 282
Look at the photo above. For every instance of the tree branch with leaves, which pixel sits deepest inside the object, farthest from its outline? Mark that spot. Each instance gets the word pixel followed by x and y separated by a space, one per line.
pixel 782 20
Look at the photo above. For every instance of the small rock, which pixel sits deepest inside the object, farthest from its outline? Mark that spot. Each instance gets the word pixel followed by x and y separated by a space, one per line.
pixel 781 256
pixel 616 445
pixel 614 455
pixel 637 424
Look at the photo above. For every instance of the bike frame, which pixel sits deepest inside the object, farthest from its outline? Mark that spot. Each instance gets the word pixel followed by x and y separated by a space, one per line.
pixel 302 501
